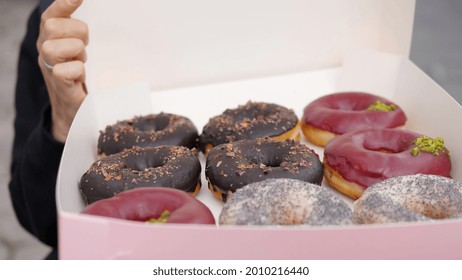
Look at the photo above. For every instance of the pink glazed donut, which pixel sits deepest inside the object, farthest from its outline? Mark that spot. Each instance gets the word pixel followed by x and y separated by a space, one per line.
pixel 339 113
pixel 153 204
pixel 355 160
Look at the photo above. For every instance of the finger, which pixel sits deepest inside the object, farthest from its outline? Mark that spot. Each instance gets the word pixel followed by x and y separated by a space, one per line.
pixel 61 50
pixel 58 28
pixel 71 73
pixel 61 9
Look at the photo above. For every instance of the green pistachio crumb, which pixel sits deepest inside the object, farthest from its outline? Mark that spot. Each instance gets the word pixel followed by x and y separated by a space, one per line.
pixel 428 145
pixel 380 106
pixel 161 219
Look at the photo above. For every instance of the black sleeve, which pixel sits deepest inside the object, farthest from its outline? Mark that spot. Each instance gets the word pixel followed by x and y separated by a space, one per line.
pixel 36 155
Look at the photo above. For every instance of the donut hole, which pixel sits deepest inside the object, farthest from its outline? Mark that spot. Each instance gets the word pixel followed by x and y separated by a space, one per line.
pixel 147 215
pixel 386 147
pixel 150 124
pixel 384 141
pixel 350 104
pixel 142 163
pixel 344 106
pixel 271 154
pixel 430 209
pixel 255 114
pixel 266 160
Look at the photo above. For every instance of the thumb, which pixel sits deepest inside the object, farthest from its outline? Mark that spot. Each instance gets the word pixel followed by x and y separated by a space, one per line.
pixel 61 9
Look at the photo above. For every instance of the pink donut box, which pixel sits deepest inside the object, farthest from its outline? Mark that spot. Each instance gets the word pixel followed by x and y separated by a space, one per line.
pixel 200 87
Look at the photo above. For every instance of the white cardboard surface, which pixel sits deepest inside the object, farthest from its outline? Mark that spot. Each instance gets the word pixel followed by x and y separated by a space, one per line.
pixel 180 43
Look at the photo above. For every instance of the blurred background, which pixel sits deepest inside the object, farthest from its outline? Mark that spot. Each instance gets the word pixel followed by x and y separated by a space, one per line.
pixel 436 49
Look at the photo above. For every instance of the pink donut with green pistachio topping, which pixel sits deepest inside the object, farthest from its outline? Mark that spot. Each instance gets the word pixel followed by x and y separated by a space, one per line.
pixel 355 160
pixel 153 204
pixel 338 113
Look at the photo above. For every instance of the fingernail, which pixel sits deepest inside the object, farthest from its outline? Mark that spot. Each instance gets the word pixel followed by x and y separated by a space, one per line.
pixel 74 1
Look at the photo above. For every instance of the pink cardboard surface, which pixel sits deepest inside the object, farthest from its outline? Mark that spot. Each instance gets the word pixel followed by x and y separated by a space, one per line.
pixel 99 238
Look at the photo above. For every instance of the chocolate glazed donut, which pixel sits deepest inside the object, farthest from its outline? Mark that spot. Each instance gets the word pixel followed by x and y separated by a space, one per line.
pixel 168 166
pixel 250 121
pixel 233 165
pixel 150 130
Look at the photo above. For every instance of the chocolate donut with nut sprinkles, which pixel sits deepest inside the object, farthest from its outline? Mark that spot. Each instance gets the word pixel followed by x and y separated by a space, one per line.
pixel 285 202
pixel 420 197
pixel 150 130
pixel 233 165
pixel 250 121
pixel 168 166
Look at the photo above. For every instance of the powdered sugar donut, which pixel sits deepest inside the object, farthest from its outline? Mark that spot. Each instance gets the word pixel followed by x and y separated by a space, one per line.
pixel 285 202
pixel 409 198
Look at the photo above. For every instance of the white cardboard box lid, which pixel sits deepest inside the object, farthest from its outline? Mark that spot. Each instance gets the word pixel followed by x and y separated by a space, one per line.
pixel 179 43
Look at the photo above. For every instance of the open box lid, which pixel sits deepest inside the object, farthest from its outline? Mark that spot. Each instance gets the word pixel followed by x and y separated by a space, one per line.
pixel 182 43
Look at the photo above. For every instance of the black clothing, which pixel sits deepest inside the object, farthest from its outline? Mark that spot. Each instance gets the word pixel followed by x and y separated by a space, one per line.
pixel 36 155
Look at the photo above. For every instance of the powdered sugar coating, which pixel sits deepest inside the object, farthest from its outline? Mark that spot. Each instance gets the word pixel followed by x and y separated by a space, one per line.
pixel 285 202
pixel 410 198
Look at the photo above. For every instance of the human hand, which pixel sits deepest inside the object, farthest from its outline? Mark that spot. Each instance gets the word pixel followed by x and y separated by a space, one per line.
pixel 61 47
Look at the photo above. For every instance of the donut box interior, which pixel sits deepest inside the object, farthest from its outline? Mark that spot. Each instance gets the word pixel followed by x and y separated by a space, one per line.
pixel 198 60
